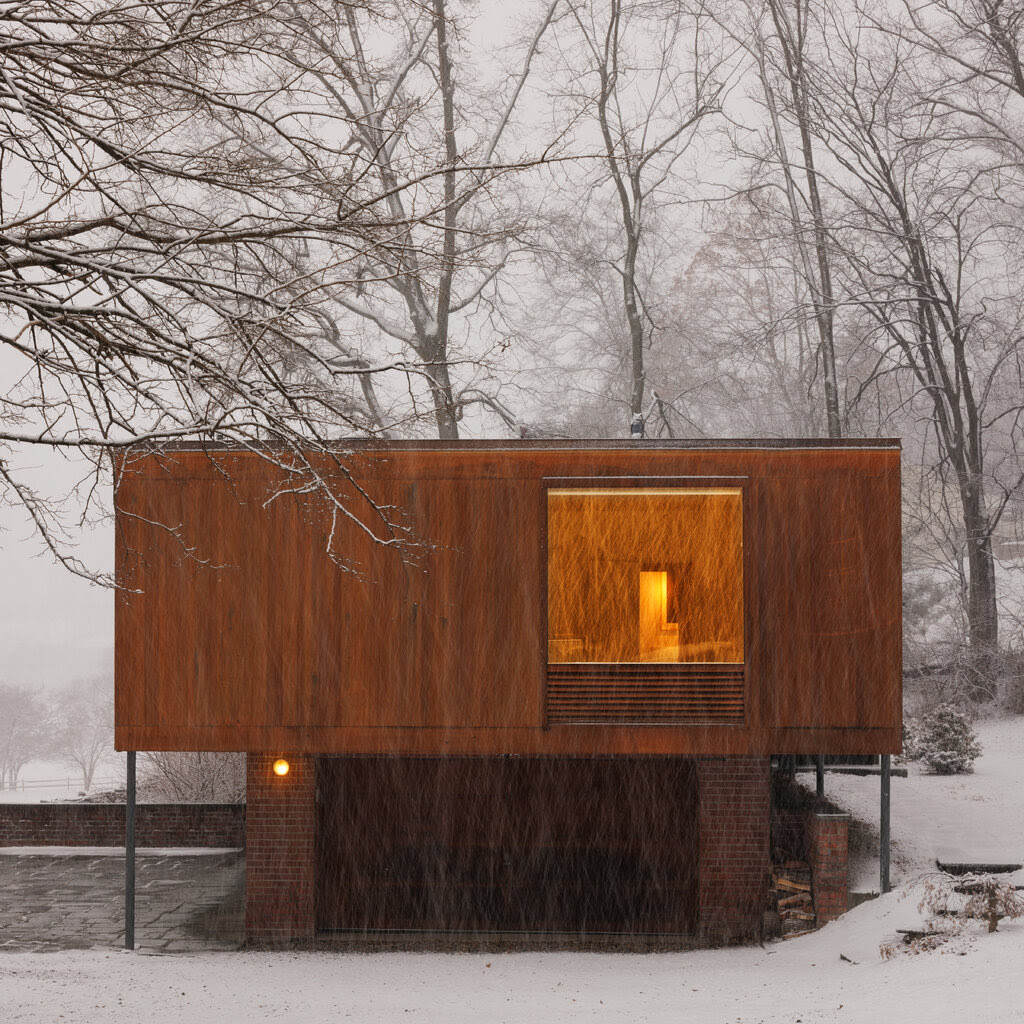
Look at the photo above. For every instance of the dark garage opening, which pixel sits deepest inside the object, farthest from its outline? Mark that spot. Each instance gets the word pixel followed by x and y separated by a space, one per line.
pixel 522 844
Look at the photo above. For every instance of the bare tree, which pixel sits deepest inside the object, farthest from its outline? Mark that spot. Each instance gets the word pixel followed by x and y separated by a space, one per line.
pixel 741 306
pixel 885 180
pixel 409 111
pixel 788 52
pixel 183 195
pixel 643 81
pixel 192 777
pixel 24 731
pixel 929 269
pixel 83 726
pixel 785 44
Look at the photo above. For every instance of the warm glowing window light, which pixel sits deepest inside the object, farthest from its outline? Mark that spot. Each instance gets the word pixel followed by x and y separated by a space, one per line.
pixel 645 575
pixel 281 766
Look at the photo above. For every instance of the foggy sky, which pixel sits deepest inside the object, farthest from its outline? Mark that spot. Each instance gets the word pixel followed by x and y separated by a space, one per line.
pixel 54 626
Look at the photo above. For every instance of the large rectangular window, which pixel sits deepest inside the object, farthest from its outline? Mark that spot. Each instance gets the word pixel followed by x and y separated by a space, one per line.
pixel 645 593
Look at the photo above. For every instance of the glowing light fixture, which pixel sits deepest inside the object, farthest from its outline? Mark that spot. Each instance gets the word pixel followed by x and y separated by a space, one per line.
pixel 281 766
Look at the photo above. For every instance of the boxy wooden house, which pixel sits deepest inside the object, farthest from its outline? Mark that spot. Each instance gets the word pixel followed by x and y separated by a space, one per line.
pixel 554 710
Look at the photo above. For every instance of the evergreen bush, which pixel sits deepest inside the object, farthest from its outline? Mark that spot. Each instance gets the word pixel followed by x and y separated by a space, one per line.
pixel 946 741
pixel 911 740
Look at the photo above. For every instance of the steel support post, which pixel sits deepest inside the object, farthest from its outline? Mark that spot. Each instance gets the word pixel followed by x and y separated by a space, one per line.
pixel 129 856
pixel 883 858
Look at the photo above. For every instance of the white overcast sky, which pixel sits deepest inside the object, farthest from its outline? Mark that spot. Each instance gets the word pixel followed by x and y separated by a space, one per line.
pixel 54 627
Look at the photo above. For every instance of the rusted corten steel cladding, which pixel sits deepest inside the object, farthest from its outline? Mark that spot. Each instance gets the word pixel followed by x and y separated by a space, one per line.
pixel 237 631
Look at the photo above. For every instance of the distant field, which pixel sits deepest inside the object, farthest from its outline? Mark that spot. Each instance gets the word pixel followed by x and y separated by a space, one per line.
pixel 52 780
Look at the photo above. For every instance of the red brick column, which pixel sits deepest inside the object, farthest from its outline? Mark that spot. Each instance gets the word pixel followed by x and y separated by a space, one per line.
pixel 733 812
pixel 279 848
pixel 828 849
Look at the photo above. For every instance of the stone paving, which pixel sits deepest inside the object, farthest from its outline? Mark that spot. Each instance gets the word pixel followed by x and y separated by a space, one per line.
pixel 183 903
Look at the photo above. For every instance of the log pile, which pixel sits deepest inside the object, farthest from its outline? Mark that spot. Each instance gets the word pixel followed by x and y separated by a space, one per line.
pixel 791 889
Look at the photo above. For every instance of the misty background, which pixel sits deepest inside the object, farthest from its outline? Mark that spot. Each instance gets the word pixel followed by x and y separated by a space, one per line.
pixel 289 224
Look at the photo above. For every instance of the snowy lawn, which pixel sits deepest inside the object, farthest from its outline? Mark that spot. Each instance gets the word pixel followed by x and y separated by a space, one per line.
pixel 43 781
pixel 974 814
pixel 800 980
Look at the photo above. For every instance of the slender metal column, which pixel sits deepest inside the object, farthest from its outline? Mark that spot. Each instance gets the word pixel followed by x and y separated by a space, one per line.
pixel 883 858
pixel 819 776
pixel 129 856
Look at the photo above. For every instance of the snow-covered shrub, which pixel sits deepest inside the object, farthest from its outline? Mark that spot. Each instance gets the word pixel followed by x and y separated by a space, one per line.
pixel 911 740
pixel 990 899
pixel 946 741
pixel 179 776
pixel 950 903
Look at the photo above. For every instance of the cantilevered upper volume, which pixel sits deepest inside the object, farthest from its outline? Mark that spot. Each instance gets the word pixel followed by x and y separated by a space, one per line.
pixel 545 598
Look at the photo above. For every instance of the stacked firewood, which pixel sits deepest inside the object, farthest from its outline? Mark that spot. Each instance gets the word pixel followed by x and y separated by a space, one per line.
pixel 791 889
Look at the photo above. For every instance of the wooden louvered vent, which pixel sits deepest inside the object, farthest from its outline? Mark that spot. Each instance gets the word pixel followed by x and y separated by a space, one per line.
pixel 644 693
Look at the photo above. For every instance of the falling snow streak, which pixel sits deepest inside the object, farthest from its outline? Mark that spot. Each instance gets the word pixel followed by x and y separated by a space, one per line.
pixel 645 575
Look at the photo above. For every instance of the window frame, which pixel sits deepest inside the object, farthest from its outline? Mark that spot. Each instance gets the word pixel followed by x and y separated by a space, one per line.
pixel 709 482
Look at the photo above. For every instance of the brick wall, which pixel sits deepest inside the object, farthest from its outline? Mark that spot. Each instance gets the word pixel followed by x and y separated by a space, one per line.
pixel 733 810
pixel 279 849
pixel 209 825
pixel 828 850
pixel 733 813
pixel 807 828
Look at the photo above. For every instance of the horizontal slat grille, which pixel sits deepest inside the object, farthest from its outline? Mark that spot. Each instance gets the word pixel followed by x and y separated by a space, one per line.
pixel 645 693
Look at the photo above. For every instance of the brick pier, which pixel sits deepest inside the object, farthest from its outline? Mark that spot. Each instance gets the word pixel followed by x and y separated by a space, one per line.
pixel 280 849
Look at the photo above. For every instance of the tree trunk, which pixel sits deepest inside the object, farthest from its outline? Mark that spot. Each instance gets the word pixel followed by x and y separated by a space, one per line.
pixel 982 613
pixel 636 329
pixel 793 42
pixel 441 384
pixel 444 407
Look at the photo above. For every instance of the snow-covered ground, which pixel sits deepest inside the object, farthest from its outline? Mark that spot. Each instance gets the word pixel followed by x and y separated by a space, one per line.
pixel 800 980
pixel 979 815
pixel 41 781
pixel 804 980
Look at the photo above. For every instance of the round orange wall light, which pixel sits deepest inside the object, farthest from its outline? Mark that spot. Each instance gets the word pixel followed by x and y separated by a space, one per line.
pixel 281 766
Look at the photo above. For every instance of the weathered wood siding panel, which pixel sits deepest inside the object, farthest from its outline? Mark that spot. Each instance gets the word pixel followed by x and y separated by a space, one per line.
pixel 237 630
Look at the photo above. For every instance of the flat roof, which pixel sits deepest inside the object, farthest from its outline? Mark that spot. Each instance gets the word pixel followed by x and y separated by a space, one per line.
pixel 528 444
